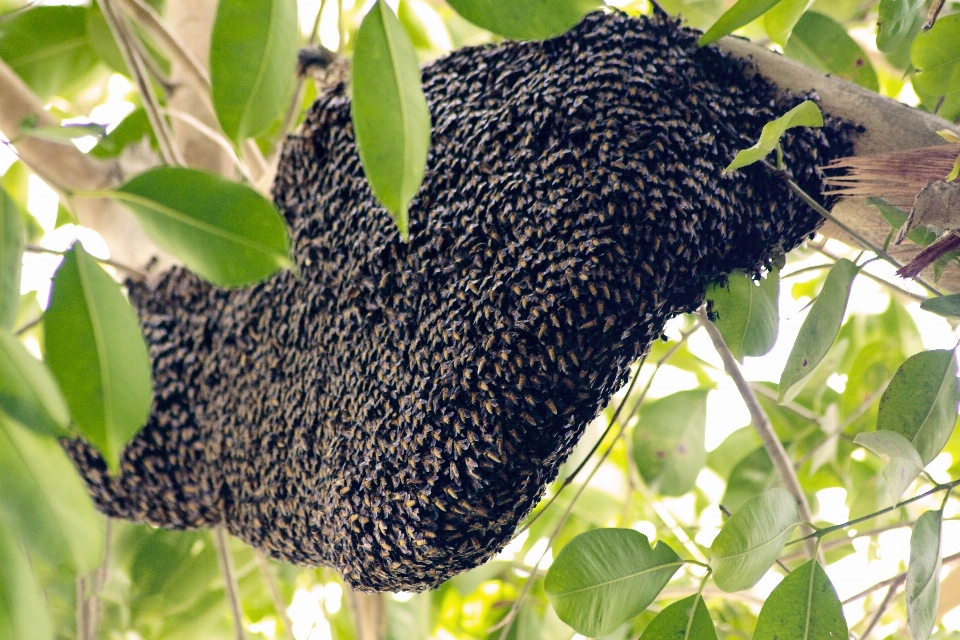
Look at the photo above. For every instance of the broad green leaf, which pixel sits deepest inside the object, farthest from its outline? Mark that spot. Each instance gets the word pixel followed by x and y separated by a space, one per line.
pixel 936 57
pixel 923 574
pixel 780 20
pixel 804 606
pixel 23 611
pixel 819 329
pixel 898 23
pixel 44 501
pixel 734 448
pixel 743 12
pixel 224 231
pixel 12 240
pixel 668 441
pixel 901 462
pixel 805 114
pixel 391 120
pixel 946 306
pixel 525 19
pixel 747 313
pixel 680 621
pixel 48 48
pixel 604 577
pixel 920 402
pixel 751 540
pixel 253 58
pixel 28 393
pixel 96 352
pixel 822 43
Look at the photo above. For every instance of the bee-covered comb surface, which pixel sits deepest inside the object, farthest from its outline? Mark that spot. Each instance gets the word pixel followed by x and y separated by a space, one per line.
pixel 395 410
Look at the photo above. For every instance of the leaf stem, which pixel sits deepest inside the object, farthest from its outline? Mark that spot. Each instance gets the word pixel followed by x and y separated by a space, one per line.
pixel 32 248
pixel 761 423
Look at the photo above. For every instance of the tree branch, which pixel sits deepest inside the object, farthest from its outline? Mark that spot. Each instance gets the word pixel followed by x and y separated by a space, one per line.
pixel 229 580
pixel 761 423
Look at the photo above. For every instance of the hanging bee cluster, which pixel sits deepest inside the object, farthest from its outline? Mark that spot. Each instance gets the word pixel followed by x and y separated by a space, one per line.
pixel 398 409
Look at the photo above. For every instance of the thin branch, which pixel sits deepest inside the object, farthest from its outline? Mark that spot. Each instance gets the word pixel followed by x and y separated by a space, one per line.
pixel 887 599
pixel 900 290
pixel 890 581
pixel 267 576
pixel 136 273
pixel 761 423
pixel 30 325
pixel 214 136
pixel 229 580
pixel 147 17
pixel 131 55
pixel 935 9
pixel 819 533
pixel 839 542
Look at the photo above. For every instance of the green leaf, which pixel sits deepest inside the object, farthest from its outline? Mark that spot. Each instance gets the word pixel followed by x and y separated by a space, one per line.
pixel 750 476
pixel 747 315
pixel 526 19
pixel 919 235
pixel 253 59
pixel 23 611
pixel 936 57
pixel 680 621
pixel 923 574
pixel 805 114
pixel 224 231
pixel 48 48
pixel 751 540
pixel 901 462
pixel 604 577
pixel 946 306
pixel 898 23
pixel 740 14
pixel 390 115
pixel 65 134
pixel 28 393
pixel 44 501
pixel 804 606
pixel 96 352
pixel 819 329
pixel 920 403
pixel 12 241
pixel 668 441
pixel 822 43
pixel 131 130
pixel 780 20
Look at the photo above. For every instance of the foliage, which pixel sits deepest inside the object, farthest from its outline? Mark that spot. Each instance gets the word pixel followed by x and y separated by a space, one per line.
pixel 634 525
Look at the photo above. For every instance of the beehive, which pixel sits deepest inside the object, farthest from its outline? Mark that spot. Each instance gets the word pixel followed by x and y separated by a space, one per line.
pixel 396 412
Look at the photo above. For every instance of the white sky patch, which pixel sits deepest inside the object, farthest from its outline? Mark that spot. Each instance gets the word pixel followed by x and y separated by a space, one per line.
pixel 833 507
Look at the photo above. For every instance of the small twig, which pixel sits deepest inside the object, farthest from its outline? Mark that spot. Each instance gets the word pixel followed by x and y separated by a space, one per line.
pixel 890 581
pixel 761 423
pixel 900 290
pixel 839 542
pixel 214 136
pixel 30 325
pixel 932 17
pixel 32 248
pixel 131 55
pixel 887 599
pixel 147 17
pixel 229 580
pixel 819 533
pixel 267 576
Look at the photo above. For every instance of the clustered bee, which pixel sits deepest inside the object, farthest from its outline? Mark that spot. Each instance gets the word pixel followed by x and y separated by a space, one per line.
pixel 395 411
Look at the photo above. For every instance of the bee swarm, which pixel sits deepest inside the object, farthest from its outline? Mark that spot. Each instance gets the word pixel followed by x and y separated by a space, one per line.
pixel 396 411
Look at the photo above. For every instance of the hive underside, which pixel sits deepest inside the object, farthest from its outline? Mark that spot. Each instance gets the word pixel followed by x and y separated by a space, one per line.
pixel 398 410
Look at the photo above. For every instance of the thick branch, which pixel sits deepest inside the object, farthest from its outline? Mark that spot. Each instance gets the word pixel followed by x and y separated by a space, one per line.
pixel 64 167
pixel 761 423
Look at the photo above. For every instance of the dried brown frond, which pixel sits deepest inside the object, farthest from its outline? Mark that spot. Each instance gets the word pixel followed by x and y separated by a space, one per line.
pixel 895 177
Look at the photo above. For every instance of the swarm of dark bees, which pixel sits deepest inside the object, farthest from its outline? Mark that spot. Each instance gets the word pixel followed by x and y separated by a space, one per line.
pixel 399 409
